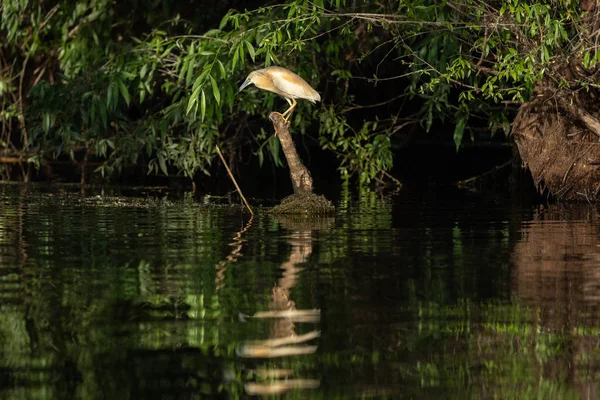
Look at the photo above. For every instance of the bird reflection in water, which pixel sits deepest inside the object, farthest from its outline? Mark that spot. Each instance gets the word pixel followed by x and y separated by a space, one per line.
pixel 283 340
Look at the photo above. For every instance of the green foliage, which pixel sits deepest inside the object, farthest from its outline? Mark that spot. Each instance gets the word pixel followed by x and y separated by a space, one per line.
pixel 140 85
pixel 490 56
pixel 367 151
pixel 160 95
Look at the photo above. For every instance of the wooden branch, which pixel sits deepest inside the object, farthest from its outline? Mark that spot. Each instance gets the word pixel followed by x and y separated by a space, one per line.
pixel 495 169
pixel 591 122
pixel 233 179
pixel 200 37
pixel 21 113
pixel 301 178
pixel 49 15
pixel 357 107
pixel 485 70
pixel 83 166
pixel 12 160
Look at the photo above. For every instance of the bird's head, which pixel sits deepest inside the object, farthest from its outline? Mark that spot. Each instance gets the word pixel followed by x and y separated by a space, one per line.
pixel 249 79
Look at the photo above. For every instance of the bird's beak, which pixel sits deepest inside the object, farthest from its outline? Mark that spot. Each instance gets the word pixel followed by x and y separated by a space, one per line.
pixel 246 83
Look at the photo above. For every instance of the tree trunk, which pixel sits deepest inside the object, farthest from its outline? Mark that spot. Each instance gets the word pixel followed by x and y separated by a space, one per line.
pixel 557 131
pixel 557 136
pixel 301 178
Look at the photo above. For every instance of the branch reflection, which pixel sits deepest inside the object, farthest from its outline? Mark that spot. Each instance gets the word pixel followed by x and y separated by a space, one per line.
pixel 284 341
pixel 236 244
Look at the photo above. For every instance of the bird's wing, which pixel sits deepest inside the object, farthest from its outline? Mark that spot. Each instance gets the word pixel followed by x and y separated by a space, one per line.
pixel 295 87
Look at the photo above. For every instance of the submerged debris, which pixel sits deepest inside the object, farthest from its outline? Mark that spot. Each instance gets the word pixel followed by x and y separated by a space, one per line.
pixel 304 204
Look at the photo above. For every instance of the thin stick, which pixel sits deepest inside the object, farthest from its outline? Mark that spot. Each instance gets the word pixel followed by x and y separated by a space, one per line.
pixel 21 113
pixel 465 182
pixel 233 179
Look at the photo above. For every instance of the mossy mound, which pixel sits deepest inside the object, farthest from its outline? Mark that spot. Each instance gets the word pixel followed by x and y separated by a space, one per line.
pixel 304 204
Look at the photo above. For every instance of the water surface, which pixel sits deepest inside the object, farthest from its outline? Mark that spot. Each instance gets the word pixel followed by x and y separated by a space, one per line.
pixel 410 295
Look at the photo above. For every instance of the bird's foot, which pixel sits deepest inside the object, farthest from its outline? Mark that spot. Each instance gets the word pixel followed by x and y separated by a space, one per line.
pixel 287 121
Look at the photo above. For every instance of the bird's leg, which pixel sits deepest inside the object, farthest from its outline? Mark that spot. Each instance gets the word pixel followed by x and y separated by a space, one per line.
pixel 287 112
pixel 292 106
pixel 282 116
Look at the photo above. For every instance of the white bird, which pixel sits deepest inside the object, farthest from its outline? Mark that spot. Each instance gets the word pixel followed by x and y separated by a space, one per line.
pixel 283 82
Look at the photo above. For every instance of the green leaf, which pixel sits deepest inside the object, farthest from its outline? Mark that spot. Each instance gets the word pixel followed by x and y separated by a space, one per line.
pixel 184 69
pixel 429 119
pixel 261 157
pixel 250 50
pixel 124 91
pixel 274 148
pixel 162 164
pixel 143 71
pixel 193 99
pixel 115 96
pixel 109 95
pixel 202 106
pixel 168 51
pixel 46 122
pixel 212 32
pixel 459 130
pixel 222 68
pixel 506 127
pixel 241 54
pixel 215 89
pixel 234 60
pixel 546 54
pixel 225 19
pixel 197 82
pixel 189 75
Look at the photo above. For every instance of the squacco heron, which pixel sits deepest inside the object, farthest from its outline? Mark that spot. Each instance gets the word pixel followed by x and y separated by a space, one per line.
pixel 283 82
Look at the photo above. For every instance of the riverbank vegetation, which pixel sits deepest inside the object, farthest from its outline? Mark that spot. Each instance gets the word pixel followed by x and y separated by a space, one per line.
pixel 108 86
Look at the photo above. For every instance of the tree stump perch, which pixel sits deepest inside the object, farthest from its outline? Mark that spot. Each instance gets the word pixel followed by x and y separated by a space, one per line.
pixel 301 178
pixel 303 201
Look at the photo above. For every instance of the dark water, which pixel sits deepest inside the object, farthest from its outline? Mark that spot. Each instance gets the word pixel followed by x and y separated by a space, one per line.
pixel 400 296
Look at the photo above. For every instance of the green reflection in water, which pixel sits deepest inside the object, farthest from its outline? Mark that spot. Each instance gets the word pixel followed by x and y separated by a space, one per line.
pixel 117 297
